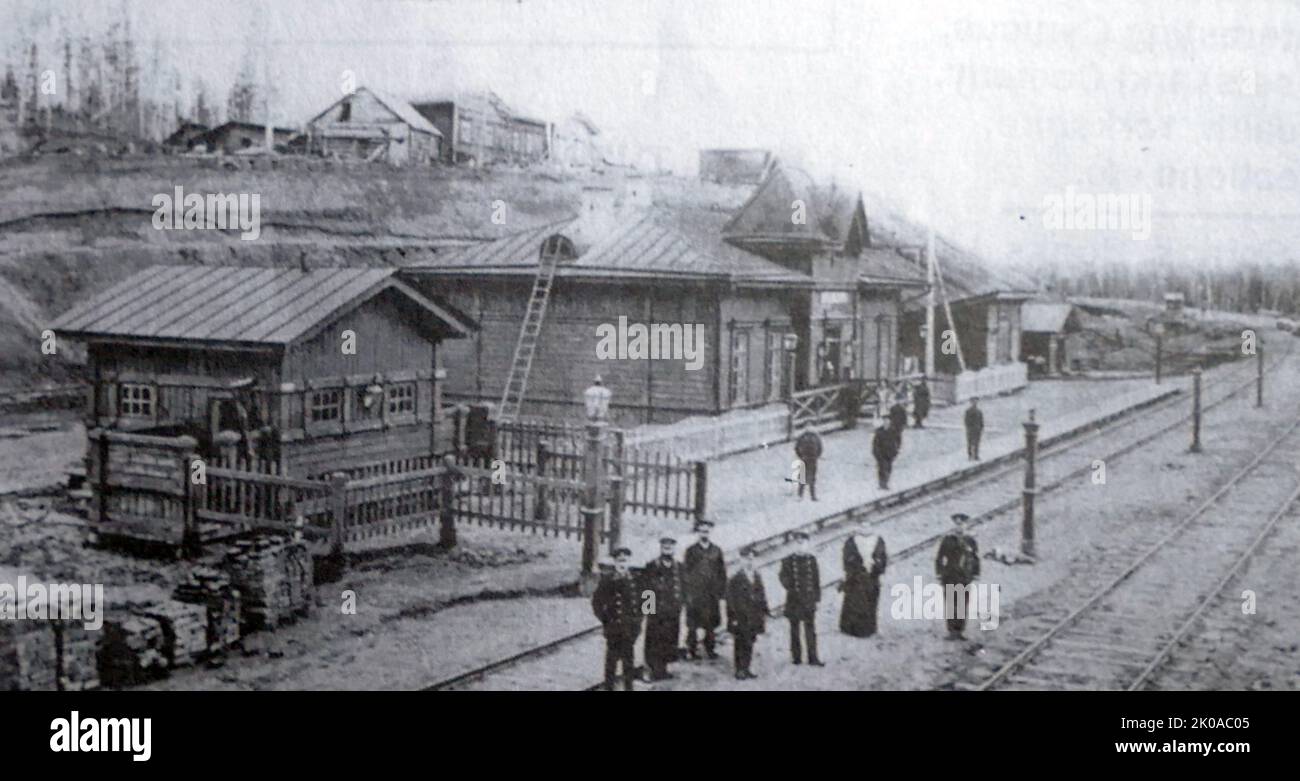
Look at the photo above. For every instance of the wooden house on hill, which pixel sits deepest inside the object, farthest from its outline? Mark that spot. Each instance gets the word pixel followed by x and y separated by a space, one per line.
pixel 312 371
pixel 480 128
pixel 369 125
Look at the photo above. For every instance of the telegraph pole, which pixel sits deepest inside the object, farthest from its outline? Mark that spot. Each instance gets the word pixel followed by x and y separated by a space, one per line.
pixel 929 305
pixel 1196 410
pixel 1259 374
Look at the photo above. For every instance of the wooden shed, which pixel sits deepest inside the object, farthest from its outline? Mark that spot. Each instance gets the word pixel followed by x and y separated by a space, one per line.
pixel 371 125
pixel 1046 326
pixel 308 371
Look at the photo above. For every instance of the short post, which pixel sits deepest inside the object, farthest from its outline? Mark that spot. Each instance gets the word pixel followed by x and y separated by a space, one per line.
pixel 540 508
pixel 1196 410
pixel 701 488
pixel 1159 351
pixel 338 511
pixel 615 513
pixel 189 531
pixel 446 496
pixel 1259 374
pixel 1031 454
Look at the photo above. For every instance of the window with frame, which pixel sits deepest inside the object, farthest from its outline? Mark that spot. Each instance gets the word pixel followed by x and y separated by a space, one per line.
pixel 738 377
pixel 401 398
pixel 135 400
pixel 326 405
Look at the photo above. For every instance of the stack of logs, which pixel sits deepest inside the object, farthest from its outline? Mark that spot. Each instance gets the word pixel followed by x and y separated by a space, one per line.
pixel 274 577
pixel 211 588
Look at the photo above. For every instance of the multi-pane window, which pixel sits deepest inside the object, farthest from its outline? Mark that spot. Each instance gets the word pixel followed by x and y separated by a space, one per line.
pixel 401 398
pixel 135 400
pixel 326 405
pixel 738 377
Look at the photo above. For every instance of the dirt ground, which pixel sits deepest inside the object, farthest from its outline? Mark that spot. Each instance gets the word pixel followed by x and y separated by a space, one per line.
pixel 423 614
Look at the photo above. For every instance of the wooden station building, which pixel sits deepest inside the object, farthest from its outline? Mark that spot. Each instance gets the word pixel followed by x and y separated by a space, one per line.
pixel 311 371
pixel 370 125
pixel 779 311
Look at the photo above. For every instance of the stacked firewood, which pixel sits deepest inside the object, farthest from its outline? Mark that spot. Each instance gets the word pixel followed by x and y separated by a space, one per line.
pixel 274 577
pixel 78 656
pixel 212 589
pixel 132 651
pixel 184 629
pixel 28 656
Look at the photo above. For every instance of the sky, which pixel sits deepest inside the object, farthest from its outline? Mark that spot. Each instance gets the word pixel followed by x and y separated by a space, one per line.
pixel 969 115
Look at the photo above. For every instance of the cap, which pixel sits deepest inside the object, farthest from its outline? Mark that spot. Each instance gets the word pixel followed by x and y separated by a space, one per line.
pixel 667 541
pixel 703 525
pixel 621 552
pixel 959 517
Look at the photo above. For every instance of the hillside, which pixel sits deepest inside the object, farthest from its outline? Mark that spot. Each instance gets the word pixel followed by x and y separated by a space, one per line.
pixel 72 224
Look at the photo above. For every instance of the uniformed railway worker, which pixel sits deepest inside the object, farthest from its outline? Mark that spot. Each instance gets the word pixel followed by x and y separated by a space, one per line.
pixel 974 421
pixel 704 579
pixel 898 419
pixel 808 447
pixel 617 605
pixel 958 564
pixel 663 578
pixel 746 612
pixel 884 447
pixel 921 402
pixel 803 590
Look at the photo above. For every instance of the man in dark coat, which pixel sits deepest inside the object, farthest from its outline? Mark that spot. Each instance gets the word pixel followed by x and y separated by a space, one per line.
pixel 898 419
pixel 808 447
pixel 617 605
pixel 974 429
pixel 884 446
pixel 662 576
pixel 746 612
pixel 921 402
pixel 957 564
pixel 803 590
pixel 704 582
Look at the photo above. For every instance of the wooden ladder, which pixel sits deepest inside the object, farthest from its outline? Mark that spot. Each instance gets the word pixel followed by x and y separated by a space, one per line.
pixel 512 398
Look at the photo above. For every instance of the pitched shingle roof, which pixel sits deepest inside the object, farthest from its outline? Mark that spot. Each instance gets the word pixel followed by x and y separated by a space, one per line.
pixel 645 244
pixel 237 304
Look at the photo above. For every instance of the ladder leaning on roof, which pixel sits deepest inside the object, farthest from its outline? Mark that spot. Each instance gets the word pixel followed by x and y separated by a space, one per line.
pixel 512 398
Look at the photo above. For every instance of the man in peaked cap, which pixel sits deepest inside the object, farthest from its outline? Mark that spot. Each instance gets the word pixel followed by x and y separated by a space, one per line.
pixel 704 581
pixel 957 564
pixel 746 612
pixel 662 577
pixel 803 590
pixel 617 605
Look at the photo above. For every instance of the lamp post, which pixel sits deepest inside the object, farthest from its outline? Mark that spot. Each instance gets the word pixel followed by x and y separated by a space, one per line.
pixel 596 399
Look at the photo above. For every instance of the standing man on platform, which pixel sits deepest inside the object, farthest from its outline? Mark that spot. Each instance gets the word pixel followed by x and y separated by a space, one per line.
pixel 704 579
pixel 746 612
pixel 803 590
pixel 921 402
pixel 884 446
pixel 617 605
pixel 974 429
pixel 898 419
pixel 663 578
pixel 808 448
pixel 957 565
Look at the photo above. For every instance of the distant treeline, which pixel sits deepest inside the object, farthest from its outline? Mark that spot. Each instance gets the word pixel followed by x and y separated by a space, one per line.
pixel 1246 287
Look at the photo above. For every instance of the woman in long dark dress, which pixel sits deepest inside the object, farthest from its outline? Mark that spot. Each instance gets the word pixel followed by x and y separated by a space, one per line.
pixel 861 585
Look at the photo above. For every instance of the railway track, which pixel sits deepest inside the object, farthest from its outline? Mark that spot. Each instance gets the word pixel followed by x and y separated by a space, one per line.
pixel 1118 635
pixel 909 516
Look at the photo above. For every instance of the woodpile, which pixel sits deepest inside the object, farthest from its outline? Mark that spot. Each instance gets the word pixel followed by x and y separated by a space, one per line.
pixel 274 577
pixel 28 656
pixel 184 629
pixel 212 589
pixel 132 651
pixel 78 653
